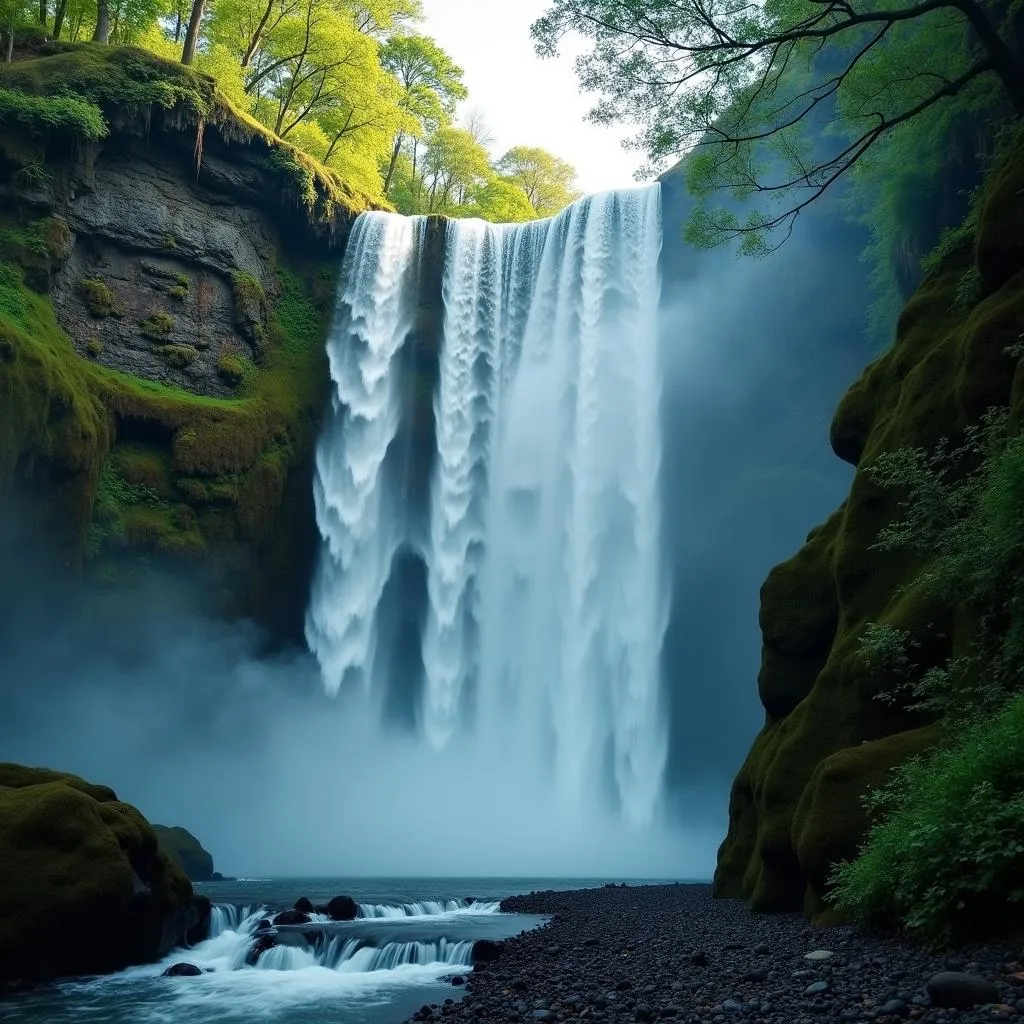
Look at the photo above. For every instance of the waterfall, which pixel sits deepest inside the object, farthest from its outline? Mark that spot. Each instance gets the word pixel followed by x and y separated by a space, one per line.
pixel 545 602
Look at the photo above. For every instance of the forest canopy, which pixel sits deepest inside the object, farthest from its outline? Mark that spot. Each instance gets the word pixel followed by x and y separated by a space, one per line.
pixel 353 84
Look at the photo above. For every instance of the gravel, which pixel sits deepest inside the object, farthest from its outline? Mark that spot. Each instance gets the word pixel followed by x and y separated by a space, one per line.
pixel 673 953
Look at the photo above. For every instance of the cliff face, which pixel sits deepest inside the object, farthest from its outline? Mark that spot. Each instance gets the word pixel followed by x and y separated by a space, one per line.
pixel 165 290
pixel 796 806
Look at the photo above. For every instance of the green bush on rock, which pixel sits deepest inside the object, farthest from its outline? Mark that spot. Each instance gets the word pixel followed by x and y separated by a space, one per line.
pixel 945 862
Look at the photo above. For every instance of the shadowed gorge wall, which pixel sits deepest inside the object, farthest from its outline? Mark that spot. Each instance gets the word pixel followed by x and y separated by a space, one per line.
pixel 795 805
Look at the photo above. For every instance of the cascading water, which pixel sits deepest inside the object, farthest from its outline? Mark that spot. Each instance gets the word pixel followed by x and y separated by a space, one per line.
pixel 545 601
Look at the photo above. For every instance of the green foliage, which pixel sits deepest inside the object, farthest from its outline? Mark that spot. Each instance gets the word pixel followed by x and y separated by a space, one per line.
pixel 946 860
pixel 546 180
pixel 178 292
pixel 947 846
pixel 69 114
pixel 747 90
pixel 94 347
pixel 157 325
pixel 178 356
pixel 99 298
pixel 231 366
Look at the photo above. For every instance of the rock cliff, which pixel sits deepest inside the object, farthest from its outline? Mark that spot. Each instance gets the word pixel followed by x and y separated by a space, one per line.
pixel 796 805
pixel 167 271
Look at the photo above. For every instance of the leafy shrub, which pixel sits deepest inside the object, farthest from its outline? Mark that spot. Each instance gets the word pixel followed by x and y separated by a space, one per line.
pixel 157 325
pixel 230 365
pixel 946 860
pixel 94 347
pixel 945 854
pixel 99 299
pixel 178 356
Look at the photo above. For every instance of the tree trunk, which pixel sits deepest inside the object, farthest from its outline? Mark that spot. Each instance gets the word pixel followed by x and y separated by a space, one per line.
pixel 188 51
pixel 9 52
pixel 58 17
pixel 177 27
pixel 394 160
pixel 101 34
pixel 1004 62
pixel 257 35
pixel 42 13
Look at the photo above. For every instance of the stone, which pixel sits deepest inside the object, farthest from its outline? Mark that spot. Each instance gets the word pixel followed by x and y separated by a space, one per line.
pixel 819 955
pixel 303 905
pixel 342 908
pixel 894 1008
pixel 816 988
pixel 291 917
pixel 960 991
pixel 182 970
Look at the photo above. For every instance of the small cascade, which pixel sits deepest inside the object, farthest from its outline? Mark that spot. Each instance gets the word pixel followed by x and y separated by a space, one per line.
pixel 229 917
pixel 427 908
pixel 354 955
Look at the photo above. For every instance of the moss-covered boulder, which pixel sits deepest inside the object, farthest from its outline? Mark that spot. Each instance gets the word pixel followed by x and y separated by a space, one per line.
pixel 84 886
pixel 186 851
pixel 796 804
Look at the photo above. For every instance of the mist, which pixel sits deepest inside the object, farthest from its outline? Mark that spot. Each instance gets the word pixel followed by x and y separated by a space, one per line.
pixel 195 721
pixel 188 719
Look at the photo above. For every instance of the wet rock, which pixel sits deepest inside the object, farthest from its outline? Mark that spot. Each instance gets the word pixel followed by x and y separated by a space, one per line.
pixel 819 954
pixel 485 951
pixel 264 925
pixel 342 908
pixel 961 991
pixel 260 945
pixel 458 979
pixel 292 917
pixel 816 988
pixel 182 970
pixel 303 905
pixel 894 1008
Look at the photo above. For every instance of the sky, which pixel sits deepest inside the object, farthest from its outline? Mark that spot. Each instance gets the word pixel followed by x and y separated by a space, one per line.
pixel 526 100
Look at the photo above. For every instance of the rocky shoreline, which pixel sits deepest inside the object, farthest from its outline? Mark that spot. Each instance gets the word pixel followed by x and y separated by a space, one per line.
pixel 673 952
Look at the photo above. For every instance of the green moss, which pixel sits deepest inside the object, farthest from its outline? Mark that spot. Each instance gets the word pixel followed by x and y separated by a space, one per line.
pixel 186 851
pixel 99 298
pixel 38 245
pixel 71 853
pixel 127 83
pixel 43 114
pixel 231 367
pixel 178 356
pixel 796 803
pixel 252 310
pixel 157 325
pixel 94 347
pixel 178 292
pixel 146 466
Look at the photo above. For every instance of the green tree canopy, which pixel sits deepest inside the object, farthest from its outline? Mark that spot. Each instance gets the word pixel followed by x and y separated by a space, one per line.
pixel 546 180
pixel 742 82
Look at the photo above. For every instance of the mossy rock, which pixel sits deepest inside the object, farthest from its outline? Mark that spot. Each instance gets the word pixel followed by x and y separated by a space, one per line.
pixel 796 803
pixel 85 887
pixel 186 851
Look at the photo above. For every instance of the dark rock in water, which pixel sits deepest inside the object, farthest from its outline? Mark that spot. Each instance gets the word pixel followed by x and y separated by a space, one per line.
pixel 261 944
pixel 486 950
pixel 182 971
pixel 959 991
pixel 292 917
pixel 264 925
pixel 699 959
pixel 894 1008
pixel 304 905
pixel 469 900
pixel 342 908
pixel 458 979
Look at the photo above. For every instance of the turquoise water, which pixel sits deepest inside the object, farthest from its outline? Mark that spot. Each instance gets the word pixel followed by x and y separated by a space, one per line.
pixel 376 970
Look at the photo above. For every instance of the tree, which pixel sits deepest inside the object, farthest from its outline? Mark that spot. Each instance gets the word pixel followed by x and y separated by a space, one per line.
pixel 454 165
pixel 546 180
pixel 101 33
pixel 188 50
pixel 501 201
pixel 429 80
pixel 742 83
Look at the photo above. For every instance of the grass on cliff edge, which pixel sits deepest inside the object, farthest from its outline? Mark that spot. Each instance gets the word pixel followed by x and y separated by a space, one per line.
pixel 82 86
pixel 57 407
